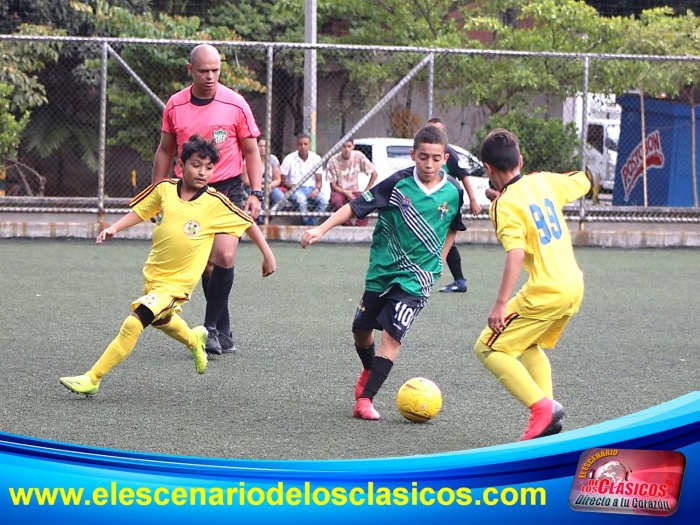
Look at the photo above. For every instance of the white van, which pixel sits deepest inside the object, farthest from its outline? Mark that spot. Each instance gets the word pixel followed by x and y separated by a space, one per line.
pixel 602 133
pixel 390 155
pixel 601 151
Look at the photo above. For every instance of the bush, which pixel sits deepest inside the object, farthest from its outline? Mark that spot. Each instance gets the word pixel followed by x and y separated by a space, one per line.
pixel 546 145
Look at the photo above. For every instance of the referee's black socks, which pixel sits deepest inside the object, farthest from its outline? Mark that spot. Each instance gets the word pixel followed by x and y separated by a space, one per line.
pixel 217 291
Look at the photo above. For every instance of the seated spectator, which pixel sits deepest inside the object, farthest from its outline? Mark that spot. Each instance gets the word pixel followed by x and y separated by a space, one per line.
pixel 343 171
pixel 296 166
pixel 273 183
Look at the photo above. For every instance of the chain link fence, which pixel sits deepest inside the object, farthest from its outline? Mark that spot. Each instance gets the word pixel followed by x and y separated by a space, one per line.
pixel 90 147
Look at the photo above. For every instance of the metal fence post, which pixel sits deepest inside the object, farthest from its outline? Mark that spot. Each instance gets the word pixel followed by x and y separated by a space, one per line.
pixel 267 174
pixel 431 85
pixel 584 135
pixel 103 136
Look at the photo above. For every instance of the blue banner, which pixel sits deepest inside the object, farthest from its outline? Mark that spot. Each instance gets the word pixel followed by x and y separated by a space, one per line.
pixel 533 482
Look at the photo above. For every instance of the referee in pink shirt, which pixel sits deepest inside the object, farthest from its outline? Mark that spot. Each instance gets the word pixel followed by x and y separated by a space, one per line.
pixel 212 110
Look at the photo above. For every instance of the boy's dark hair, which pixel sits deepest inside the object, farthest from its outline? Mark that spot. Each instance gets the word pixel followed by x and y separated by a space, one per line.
pixel 206 149
pixel 501 149
pixel 303 136
pixel 435 120
pixel 429 135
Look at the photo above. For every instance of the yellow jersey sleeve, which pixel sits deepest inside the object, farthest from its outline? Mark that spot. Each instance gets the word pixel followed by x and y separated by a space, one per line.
pixel 226 217
pixel 150 201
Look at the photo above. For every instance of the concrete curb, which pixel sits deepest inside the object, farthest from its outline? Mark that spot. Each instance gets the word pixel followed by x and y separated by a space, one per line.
pixel 629 235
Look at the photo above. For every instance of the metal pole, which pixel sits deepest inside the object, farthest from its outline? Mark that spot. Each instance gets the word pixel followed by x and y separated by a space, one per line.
pixel 584 134
pixel 268 133
pixel 136 78
pixel 310 72
pixel 584 112
pixel 431 84
pixel 103 137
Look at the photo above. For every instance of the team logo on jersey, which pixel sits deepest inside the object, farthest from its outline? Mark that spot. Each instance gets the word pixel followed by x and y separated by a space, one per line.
pixel 159 217
pixel 443 209
pixel 220 136
pixel 405 203
pixel 192 228
pixel 367 195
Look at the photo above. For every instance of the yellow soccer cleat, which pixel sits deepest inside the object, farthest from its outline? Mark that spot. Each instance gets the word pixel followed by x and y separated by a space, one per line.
pixel 80 385
pixel 200 356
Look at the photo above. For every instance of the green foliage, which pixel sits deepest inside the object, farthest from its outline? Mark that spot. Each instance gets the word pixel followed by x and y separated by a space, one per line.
pixel 546 145
pixel 568 26
pixel 499 83
pixel 11 127
pixel 20 88
pixel 660 32
pixel 261 20
pixel 133 115
pixel 21 61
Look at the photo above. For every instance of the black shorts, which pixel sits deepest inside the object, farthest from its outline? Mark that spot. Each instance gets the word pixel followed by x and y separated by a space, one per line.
pixel 393 311
pixel 233 189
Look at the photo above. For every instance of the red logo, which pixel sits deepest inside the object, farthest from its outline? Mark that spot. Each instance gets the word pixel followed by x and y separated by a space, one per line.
pixel 634 166
pixel 618 481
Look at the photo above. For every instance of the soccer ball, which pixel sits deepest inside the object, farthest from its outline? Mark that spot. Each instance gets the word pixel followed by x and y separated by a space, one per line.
pixel 419 400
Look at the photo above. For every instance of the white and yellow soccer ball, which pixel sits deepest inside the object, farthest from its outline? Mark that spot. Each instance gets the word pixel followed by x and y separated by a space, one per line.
pixel 419 400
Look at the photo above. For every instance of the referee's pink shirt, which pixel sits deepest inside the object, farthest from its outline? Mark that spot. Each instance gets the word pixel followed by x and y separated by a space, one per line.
pixel 226 119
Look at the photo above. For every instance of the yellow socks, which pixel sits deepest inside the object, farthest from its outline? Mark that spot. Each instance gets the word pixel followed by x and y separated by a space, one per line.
pixel 118 350
pixel 537 364
pixel 511 373
pixel 178 329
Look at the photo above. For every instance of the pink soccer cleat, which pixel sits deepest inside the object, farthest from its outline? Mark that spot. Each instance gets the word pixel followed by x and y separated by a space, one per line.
pixel 544 419
pixel 365 410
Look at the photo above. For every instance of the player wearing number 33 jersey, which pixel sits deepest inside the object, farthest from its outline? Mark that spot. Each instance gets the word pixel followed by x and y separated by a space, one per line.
pixel 530 225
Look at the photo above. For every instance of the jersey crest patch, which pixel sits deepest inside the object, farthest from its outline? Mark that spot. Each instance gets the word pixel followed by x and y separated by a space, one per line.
pixel 159 217
pixel 367 195
pixel 443 209
pixel 192 229
pixel 405 203
pixel 220 136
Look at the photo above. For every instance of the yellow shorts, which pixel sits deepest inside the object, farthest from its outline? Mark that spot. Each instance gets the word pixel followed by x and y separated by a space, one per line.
pixel 521 333
pixel 161 299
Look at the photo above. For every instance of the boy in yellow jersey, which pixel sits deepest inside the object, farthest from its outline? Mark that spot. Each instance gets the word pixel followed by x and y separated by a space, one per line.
pixel 531 228
pixel 188 216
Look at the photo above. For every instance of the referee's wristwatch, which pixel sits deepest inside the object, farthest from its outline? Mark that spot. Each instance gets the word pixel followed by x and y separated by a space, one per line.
pixel 259 194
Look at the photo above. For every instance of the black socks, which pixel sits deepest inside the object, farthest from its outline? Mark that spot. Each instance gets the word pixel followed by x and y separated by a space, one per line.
pixel 217 289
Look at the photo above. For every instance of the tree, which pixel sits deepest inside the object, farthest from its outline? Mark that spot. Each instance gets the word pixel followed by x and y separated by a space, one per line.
pixel 20 90
pixel 11 127
pixel 636 7
pixel 547 145
pixel 133 115
pixel 420 23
